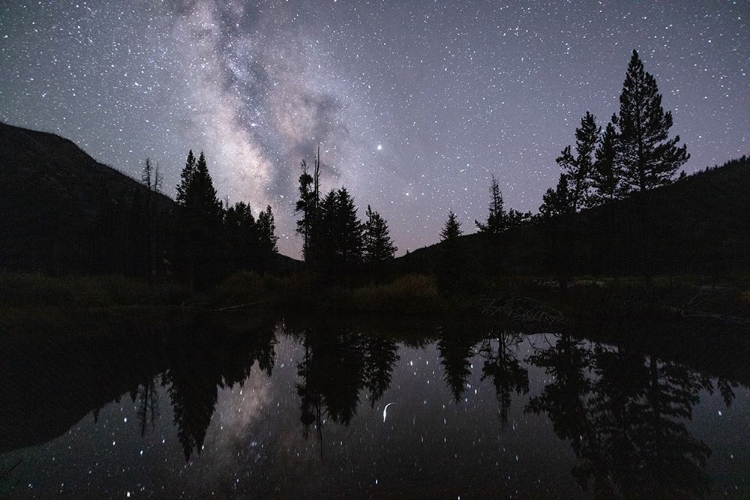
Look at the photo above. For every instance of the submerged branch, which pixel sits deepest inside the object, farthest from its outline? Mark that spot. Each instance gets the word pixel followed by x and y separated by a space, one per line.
pixel 523 309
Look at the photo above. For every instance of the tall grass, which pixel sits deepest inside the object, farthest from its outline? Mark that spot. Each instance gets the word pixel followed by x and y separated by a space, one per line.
pixel 307 291
pixel 39 290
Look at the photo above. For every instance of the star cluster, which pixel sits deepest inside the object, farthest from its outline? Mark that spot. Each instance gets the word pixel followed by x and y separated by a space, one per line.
pixel 416 104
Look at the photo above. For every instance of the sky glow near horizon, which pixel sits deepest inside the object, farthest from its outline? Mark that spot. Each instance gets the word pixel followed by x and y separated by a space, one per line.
pixel 416 104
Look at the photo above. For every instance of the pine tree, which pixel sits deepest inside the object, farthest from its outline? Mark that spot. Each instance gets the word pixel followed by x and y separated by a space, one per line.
pixel 517 218
pixel 497 220
pixel 306 206
pixel 186 179
pixel 577 168
pixel 557 201
pixel 351 230
pixel 647 156
pixel 267 238
pixel 200 222
pixel 338 235
pixel 605 189
pixel 242 236
pixel 451 262
pixel 378 245
pixel 451 230
pixel 202 194
pixel 151 178
pixel 604 177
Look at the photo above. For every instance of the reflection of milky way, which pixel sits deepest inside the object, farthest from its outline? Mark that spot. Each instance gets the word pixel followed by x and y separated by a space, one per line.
pixel 416 103
pixel 237 411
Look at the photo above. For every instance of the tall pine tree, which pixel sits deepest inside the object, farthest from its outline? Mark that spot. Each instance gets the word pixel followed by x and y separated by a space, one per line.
pixel 497 219
pixel 306 206
pixel 200 222
pixel 647 156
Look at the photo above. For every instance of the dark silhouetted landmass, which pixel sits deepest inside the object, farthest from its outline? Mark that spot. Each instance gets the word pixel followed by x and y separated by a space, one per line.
pixel 701 225
pixel 61 211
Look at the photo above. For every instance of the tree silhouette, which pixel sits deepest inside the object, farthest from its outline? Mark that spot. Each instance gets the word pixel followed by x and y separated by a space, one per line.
pixel 267 238
pixel 380 358
pixel 604 177
pixel 505 369
pixel 152 180
pixel 199 366
pixel 455 355
pixel 193 391
pixel 496 219
pixel 148 405
pixel 251 241
pixel 564 398
pixel 558 201
pixel 646 157
pixel 242 236
pixel 200 221
pixel 336 366
pixel 624 415
pixel 307 206
pixel 338 243
pixel 378 247
pixel 604 180
pixel 577 168
pixel 450 260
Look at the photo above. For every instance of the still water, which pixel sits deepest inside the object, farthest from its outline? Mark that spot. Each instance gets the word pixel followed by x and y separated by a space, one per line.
pixel 281 408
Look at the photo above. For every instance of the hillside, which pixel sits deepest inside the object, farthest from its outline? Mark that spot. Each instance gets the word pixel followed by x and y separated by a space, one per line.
pixel 699 224
pixel 62 211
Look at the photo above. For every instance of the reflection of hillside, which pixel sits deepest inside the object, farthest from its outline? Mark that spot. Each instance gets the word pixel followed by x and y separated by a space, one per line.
pixel 46 389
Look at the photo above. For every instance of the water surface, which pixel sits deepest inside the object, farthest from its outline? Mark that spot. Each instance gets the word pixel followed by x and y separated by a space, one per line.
pixel 273 408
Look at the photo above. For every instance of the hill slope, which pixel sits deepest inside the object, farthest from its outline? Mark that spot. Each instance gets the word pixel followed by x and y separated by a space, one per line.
pixel 62 211
pixel 699 224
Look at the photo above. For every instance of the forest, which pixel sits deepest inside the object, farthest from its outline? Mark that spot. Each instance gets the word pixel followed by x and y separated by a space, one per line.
pixel 619 211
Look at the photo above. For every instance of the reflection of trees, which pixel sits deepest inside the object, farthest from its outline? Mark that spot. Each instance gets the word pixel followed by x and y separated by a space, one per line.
pixel 148 405
pixel 336 366
pixel 199 365
pixel 626 421
pixel 193 379
pixel 380 359
pixel 456 351
pixel 669 462
pixel 505 369
pixel 564 398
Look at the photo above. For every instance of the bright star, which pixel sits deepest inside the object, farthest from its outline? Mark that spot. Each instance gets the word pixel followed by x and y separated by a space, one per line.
pixel 380 146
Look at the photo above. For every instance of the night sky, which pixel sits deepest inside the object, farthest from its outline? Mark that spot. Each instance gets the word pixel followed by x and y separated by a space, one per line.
pixel 416 104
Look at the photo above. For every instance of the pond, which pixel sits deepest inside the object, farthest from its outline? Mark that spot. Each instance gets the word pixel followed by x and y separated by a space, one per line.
pixel 290 408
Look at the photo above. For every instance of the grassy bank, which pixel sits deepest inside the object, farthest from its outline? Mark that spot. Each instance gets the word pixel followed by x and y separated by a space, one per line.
pixel 589 298
pixel 39 290
pixel 416 294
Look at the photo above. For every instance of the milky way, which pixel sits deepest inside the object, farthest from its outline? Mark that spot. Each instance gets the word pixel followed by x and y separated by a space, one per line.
pixel 416 104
